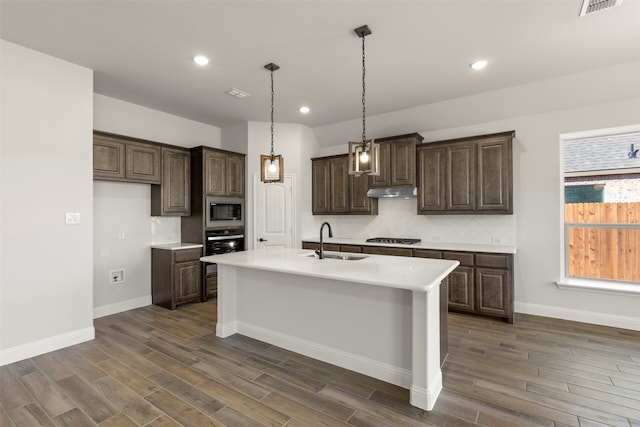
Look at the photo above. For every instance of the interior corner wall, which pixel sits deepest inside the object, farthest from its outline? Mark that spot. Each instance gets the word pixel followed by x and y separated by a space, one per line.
pixel 46 172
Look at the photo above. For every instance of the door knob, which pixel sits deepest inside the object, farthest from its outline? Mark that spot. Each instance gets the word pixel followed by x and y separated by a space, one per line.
pixel 262 240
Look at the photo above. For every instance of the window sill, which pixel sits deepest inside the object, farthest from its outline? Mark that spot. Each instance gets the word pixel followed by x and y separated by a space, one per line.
pixel 609 287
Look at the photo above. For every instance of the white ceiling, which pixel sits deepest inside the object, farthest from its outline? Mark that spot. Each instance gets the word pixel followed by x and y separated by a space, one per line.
pixel 419 52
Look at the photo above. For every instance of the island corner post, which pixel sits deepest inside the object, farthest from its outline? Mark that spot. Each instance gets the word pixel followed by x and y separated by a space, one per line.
pixel 396 331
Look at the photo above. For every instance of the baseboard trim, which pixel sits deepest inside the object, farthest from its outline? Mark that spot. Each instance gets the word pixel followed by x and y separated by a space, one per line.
pixel 46 345
pixel 119 307
pixel 603 319
pixel 373 368
pixel 224 330
pixel 426 398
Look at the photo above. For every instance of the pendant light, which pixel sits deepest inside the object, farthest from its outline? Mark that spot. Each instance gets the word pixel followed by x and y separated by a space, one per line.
pixel 364 156
pixel 271 166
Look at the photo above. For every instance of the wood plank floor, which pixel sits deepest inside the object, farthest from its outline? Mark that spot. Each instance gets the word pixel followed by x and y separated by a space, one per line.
pixel 154 367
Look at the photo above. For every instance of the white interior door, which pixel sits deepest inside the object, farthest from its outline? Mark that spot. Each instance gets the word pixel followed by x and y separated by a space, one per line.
pixel 273 213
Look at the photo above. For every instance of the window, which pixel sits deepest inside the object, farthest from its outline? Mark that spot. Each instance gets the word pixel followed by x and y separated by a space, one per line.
pixel 602 207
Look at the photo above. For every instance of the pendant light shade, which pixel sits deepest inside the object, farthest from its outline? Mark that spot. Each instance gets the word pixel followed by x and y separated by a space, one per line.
pixel 364 156
pixel 271 165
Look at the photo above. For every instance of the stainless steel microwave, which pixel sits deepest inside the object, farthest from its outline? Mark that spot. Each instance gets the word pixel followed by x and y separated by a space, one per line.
pixel 224 212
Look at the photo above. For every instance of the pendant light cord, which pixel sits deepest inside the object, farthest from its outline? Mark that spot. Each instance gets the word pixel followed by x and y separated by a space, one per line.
pixel 272 94
pixel 364 135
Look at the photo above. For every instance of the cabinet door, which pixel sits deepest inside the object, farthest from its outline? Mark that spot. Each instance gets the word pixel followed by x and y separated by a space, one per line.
pixel 359 202
pixel 320 186
pixel 108 158
pixel 339 185
pixel 235 175
pixel 493 292
pixel 215 166
pixel 431 180
pixel 142 163
pixel 187 282
pixel 176 178
pixel 384 179
pixel 403 163
pixel 460 177
pixel 495 176
pixel 461 289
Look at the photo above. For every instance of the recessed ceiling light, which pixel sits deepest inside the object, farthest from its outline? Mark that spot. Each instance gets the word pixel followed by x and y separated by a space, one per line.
pixel 304 109
pixel 479 65
pixel 201 60
pixel 237 93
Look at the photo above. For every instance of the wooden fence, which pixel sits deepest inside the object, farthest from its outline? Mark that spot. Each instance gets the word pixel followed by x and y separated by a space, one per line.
pixel 598 249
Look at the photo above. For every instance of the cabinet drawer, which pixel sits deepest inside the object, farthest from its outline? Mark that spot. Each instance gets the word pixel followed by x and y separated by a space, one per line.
pixel 310 245
pixel 428 253
pixel 351 248
pixel 465 258
pixel 331 247
pixel 493 260
pixel 377 250
pixel 183 255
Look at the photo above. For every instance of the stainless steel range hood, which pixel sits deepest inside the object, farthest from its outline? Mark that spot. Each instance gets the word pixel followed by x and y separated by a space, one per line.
pixel 393 192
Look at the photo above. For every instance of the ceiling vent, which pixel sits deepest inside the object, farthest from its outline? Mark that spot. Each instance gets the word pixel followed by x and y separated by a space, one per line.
pixel 237 93
pixel 591 6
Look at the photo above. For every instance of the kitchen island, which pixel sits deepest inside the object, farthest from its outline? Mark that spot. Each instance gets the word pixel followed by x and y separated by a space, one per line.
pixel 377 315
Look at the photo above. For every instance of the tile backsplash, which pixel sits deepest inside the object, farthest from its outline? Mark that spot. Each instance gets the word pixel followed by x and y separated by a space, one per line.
pixel 398 218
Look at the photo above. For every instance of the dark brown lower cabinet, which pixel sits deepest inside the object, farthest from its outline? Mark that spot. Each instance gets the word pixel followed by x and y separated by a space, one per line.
pixel 385 250
pixel 461 290
pixel 210 285
pixel 482 284
pixel 316 246
pixel 176 277
pixel 493 292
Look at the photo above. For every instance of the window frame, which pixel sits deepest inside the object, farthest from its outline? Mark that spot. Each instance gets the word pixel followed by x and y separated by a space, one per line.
pixel 579 283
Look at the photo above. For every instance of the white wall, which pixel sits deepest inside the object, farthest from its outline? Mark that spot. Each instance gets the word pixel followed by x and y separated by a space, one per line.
pixel 125 207
pixel 46 142
pixel 538 113
pixel 124 118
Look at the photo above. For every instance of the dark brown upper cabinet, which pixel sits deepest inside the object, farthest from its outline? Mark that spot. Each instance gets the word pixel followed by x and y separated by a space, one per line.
pixel 320 185
pixel 466 176
pixel 172 197
pixel 397 161
pixel 224 173
pixel 118 158
pixel 336 192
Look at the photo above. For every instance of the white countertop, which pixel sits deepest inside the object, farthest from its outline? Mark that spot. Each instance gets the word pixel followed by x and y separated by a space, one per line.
pixel 441 246
pixel 416 274
pixel 176 246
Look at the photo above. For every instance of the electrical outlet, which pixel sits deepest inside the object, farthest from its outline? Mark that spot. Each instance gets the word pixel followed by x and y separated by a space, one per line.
pixel 436 238
pixel 116 276
pixel 72 218
pixel 121 235
pixel 496 240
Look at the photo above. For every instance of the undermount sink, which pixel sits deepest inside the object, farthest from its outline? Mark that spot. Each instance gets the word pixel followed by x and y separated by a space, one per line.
pixel 340 256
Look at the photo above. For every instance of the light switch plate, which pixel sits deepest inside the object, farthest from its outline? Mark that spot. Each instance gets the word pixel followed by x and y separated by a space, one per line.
pixel 72 218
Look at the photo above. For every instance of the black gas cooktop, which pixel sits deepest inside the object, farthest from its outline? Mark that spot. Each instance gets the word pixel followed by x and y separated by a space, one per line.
pixel 394 240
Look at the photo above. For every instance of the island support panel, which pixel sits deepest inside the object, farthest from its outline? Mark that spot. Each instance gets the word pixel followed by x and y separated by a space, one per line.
pixel 387 333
